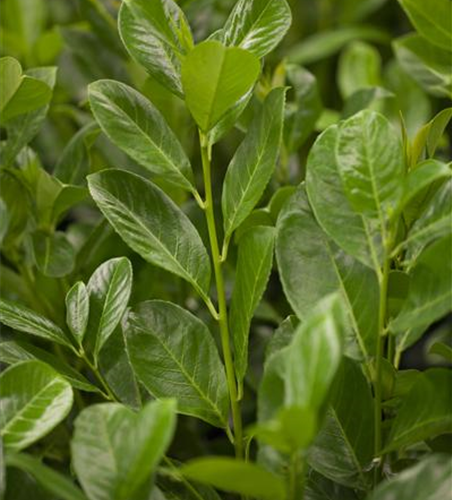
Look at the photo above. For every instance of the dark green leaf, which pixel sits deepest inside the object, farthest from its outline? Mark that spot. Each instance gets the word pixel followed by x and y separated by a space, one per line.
pixel 54 254
pixel 174 354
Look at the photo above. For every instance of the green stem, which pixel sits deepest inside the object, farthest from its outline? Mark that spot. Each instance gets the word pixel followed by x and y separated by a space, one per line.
pixel 109 394
pixel 222 307
pixel 295 486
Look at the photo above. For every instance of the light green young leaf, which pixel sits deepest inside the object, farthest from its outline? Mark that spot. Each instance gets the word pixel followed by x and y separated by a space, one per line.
pixel 253 163
pixel 315 354
pixel 114 450
pixel 109 290
pixel 53 253
pixel 23 319
pixel 370 162
pixel 359 67
pixel 173 354
pixel 311 266
pixel 343 449
pixel 152 225
pixel 34 399
pixel 158 37
pixel 77 310
pixel 214 78
pixel 430 479
pixel 331 206
pixel 257 25
pixel 432 20
pixel 136 126
pixel 425 411
pixel 51 480
pixel 430 292
pixel 235 476
pixel 253 270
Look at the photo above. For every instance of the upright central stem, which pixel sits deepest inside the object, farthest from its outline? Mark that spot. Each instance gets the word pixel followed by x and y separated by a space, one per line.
pixel 222 306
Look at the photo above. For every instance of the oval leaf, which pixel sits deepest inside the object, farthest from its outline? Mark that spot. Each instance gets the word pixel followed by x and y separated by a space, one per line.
pixel 77 310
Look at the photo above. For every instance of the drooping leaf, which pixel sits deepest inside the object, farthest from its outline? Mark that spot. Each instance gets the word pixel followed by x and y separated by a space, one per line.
pixel 109 290
pixel 235 476
pixel 158 37
pixel 253 163
pixel 257 25
pixel 311 266
pixel 23 319
pixel 114 450
pixel 174 354
pixel 152 225
pixel 77 310
pixel 34 399
pixel 432 20
pixel 51 480
pixel 430 479
pixel 343 449
pixel 136 126
pixel 253 270
pixel 214 78
pixel 425 411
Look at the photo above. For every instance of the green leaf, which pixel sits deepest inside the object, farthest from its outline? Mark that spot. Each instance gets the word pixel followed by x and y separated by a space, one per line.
pixel 114 451
pixel 22 94
pixel 432 20
pixel 52 481
pixel 34 399
pixel 257 25
pixel 359 67
pixel 152 225
pixel 158 37
pixel 174 354
pixel 443 350
pixel 253 271
pixel 430 479
pixel 331 206
pixel 370 163
pixel 53 253
pixel 77 310
pixel 109 291
pixel 136 126
pixel 315 354
pixel 429 65
pixel 15 351
pixel 235 476
pixel 311 266
pixel 425 411
pixel 373 98
pixel 253 163
pixel 302 114
pixel 4 220
pixel 23 319
pixel 430 292
pixel 214 78
pixel 343 449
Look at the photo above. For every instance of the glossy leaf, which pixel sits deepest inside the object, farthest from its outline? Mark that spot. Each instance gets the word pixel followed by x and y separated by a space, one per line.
pixel 136 126
pixel 343 449
pixel 370 163
pixel 23 319
pixel 430 479
pixel 157 37
pixel 235 476
pixel 174 354
pixel 51 480
pixel 425 411
pixel 257 25
pixel 214 78
pixel 109 290
pixel 34 399
pixel 311 266
pixel 331 206
pixel 253 271
pixel 432 20
pixel 253 163
pixel 77 310
pixel 152 225
pixel 114 451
